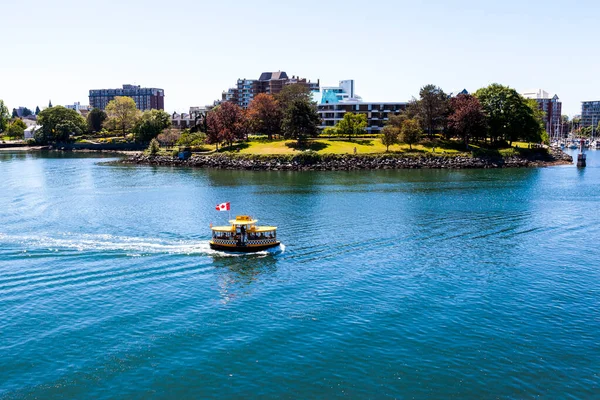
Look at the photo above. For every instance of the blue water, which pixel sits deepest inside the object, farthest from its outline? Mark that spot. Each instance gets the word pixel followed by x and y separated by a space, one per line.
pixel 391 284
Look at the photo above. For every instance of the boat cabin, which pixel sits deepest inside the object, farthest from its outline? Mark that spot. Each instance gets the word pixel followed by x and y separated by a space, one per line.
pixel 244 233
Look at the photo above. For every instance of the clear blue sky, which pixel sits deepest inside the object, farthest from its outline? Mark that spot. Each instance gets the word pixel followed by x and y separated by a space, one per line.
pixel 194 50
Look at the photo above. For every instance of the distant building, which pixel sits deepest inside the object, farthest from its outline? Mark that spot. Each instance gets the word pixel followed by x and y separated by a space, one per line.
pixel 23 112
pixel 191 119
pixel 145 98
pixel 77 107
pixel 30 131
pixel 268 82
pixel 334 101
pixel 459 92
pixel 551 106
pixel 590 113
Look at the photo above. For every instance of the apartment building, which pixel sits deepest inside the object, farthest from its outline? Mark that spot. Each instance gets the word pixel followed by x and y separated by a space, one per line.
pixel 268 82
pixel 145 98
pixel 552 106
pixel 334 101
pixel 590 113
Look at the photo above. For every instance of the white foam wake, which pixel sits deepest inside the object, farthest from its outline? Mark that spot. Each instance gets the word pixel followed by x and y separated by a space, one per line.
pixel 134 246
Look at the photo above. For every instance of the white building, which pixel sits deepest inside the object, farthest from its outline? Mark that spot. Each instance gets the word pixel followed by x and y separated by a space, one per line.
pixel 334 101
pixel 78 107
pixel 30 131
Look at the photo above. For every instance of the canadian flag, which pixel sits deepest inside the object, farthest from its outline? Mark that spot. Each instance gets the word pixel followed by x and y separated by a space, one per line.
pixel 223 207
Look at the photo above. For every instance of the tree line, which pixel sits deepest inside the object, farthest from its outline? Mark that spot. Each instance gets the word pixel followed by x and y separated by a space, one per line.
pixel 496 113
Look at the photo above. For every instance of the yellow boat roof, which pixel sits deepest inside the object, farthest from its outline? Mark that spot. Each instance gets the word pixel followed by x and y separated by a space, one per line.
pixel 230 228
pixel 222 228
pixel 243 220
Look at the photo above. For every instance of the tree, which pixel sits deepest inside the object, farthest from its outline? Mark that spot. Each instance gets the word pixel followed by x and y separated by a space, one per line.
pixel 352 125
pixel 467 118
pixel 151 124
pixel 227 123
pixel 49 103
pixel 510 115
pixel 4 116
pixel 169 136
pixel 410 132
pixel 432 107
pixel 534 118
pixel 95 119
pixel 154 147
pixel 265 115
pixel 290 93
pixel 213 128
pixel 26 112
pixel 37 110
pixel 396 120
pixel 16 129
pixel 389 136
pixel 122 114
pixel 191 139
pixel 58 123
pixel 301 121
pixel 15 114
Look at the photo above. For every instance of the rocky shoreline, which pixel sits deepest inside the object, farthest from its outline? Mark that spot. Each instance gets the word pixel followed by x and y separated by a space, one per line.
pixel 315 162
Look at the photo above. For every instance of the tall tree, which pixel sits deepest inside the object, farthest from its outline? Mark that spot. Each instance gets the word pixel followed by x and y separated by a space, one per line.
pixel 26 112
pixel 432 107
pixel 467 118
pixel 265 115
pixel 15 113
pixel 95 119
pixel 37 110
pixel 301 121
pixel 510 115
pixel 352 125
pixel 4 116
pixel 151 124
pixel 49 103
pixel 122 114
pixel 411 132
pixel 389 136
pixel 213 128
pixel 58 123
pixel 290 93
pixel 227 123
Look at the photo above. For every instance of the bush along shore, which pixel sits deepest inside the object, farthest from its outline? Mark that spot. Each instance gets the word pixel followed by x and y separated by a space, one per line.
pixel 308 161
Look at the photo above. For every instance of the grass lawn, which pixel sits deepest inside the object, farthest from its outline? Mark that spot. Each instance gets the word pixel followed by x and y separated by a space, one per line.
pixel 363 146
pixel 331 146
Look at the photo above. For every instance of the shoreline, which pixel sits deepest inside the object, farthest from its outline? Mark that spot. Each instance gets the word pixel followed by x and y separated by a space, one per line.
pixel 347 162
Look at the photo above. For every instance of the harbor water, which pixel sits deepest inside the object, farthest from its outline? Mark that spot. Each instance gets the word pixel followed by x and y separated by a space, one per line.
pixel 390 284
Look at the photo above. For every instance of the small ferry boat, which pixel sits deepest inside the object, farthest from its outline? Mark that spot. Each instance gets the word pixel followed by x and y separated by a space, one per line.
pixel 243 235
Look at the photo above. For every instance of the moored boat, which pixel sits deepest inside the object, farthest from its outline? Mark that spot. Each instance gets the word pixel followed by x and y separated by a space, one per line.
pixel 243 235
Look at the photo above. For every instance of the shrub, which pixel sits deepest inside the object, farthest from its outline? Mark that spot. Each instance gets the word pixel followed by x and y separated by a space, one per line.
pixel 154 147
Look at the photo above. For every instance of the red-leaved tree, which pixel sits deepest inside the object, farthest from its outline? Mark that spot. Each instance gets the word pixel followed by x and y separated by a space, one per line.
pixel 226 123
pixel 467 118
pixel 265 115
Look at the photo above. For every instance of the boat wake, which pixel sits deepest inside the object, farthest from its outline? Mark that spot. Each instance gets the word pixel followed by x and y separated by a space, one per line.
pixel 130 246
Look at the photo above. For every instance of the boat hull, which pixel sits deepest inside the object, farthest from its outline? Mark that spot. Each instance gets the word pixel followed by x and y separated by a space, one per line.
pixel 243 249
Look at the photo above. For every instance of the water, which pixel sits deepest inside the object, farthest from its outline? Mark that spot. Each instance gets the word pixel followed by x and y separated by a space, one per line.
pixel 406 284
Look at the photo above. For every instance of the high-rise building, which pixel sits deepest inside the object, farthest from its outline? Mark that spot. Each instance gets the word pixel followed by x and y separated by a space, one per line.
pixel 145 98
pixel 590 113
pixel 551 106
pixel 268 82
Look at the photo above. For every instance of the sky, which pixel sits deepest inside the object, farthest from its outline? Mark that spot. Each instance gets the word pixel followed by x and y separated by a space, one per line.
pixel 194 49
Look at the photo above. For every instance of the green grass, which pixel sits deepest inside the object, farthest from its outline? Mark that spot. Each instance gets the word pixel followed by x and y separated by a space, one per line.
pixel 264 147
pixel 333 146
